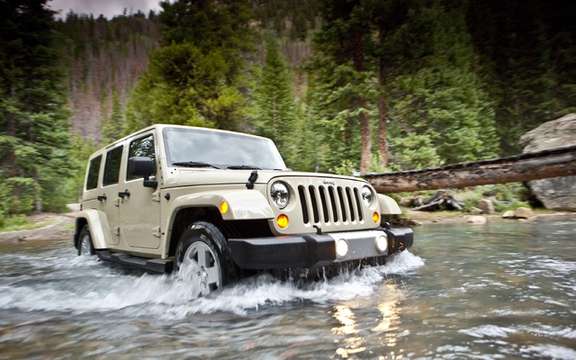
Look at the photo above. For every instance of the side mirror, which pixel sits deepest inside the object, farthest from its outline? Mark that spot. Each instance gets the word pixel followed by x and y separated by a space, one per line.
pixel 141 166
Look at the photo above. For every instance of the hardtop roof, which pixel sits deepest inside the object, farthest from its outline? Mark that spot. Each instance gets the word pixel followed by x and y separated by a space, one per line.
pixel 163 126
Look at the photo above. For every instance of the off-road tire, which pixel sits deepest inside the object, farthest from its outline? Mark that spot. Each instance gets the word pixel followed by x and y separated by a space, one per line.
pixel 89 246
pixel 213 237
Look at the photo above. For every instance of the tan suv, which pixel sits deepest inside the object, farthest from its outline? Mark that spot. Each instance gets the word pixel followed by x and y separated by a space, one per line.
pixel 224 203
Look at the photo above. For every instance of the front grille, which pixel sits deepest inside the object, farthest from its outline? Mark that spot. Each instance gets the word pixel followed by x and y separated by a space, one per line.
pixel 330 204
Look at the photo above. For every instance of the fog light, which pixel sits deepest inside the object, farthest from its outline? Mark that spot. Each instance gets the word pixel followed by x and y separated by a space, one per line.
pixel 376 217
pixel 381 243
pixel 341 248
pixel 223 207
pixel 282 221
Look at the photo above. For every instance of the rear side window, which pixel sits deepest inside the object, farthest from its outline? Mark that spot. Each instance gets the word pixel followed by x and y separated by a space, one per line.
pixel 93 170
pixel 112 166
pixel 140 147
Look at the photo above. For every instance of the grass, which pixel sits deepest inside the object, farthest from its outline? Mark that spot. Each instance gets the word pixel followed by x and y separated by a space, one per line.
pixel 20 222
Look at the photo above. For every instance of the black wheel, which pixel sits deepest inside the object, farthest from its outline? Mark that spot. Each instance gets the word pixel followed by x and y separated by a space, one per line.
pixel 85 247
pixel 202 256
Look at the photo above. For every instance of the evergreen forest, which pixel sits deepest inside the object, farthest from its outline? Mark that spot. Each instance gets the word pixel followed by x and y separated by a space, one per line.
pixel 343 86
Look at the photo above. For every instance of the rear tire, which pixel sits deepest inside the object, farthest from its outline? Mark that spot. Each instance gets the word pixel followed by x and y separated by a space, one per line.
pixel 85 247
pixel 203 247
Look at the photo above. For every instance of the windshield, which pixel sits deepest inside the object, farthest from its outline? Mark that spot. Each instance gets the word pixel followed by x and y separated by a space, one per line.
pixel 196 146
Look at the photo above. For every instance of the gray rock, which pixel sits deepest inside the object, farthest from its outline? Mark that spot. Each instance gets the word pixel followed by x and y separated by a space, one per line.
pixel 555 193
pixel 509 214
pixel 523 213
pixel 476 220
pixel 487 206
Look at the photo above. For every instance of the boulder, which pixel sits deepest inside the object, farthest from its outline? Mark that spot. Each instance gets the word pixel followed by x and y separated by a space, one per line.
pixel 509 214
pixel 523 213
pixel 554 193
pixel 487 206
pixel 476 220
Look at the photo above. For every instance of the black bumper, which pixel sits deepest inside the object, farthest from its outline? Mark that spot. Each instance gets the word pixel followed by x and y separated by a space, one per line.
pixel 313 250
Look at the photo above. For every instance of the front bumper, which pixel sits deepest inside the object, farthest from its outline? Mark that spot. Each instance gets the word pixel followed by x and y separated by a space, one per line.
pixel 313 250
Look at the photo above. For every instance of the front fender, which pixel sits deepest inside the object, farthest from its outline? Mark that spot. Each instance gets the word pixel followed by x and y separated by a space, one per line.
pixel 98 226
pixel 388 206
pixel 242 204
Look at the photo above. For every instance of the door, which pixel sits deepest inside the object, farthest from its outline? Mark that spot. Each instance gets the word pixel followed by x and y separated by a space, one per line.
pixel 109 193
pixel 140 206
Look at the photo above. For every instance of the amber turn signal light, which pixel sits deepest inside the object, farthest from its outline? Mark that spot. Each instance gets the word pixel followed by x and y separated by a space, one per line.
pixel 282 221
pixel 376 217
pixel 223 207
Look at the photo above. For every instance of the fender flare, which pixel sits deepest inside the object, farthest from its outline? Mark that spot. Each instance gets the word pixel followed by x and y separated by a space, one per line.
pixel 388 206
pixel 242 205
pixel 97 225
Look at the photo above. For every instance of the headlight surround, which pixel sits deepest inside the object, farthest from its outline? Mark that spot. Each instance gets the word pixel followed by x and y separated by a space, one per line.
pixel 367 195
pixel 280 194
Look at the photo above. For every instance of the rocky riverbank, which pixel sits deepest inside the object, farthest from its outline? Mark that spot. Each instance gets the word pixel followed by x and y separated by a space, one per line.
pixel 44 226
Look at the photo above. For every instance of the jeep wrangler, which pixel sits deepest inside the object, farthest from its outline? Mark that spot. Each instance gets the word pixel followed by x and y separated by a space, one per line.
pixel 224 203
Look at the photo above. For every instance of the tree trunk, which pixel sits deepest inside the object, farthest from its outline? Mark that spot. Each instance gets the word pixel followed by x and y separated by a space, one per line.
pixel 382 103
pixel 366 141
pixel 365 133
pixel 382 125
pixel 530 166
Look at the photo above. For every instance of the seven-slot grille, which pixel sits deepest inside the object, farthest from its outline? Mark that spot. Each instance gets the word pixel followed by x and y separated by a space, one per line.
pixel 330 204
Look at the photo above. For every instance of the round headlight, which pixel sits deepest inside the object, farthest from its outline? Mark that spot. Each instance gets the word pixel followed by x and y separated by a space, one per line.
pixel 367 195
pixel 280 194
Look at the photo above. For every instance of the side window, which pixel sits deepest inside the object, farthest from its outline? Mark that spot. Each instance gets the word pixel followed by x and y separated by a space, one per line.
pixel 93 170
pixel 141 147
pixel 112 166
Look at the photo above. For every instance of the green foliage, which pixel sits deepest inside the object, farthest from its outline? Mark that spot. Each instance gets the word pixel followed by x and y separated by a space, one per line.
pixel 80 151
pixel 12 223
pixel 415 151
pixel 195 77
pixel 439 101
pixel 33 118
pixel 274 113
pixel 113 126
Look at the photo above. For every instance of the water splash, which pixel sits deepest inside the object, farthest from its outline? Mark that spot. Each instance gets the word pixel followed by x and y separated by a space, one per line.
pixel 82 285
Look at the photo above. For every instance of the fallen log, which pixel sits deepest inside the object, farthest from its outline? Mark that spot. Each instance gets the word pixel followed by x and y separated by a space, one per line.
pixel 529 166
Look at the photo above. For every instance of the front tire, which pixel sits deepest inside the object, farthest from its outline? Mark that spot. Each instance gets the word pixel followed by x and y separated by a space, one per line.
pixel 202 254
pixel 85 247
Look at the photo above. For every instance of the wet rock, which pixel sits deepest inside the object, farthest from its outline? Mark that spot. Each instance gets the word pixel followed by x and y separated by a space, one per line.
pixel 487 206
pixel 509 214
pixel 476 220
pixel 523 213
pixel 555 193
pixel 476 211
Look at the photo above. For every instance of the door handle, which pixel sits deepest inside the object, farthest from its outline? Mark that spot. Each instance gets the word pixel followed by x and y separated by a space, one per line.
pixel 124 194
pixel 101 197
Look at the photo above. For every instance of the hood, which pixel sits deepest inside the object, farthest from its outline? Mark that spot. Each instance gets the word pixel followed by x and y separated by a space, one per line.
pixel 186 176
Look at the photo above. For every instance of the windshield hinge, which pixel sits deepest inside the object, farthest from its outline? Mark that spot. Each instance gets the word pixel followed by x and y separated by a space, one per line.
pixel 156 196
pixel 252 179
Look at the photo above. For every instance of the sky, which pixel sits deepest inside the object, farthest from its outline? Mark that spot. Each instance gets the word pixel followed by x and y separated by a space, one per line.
pixel 108 8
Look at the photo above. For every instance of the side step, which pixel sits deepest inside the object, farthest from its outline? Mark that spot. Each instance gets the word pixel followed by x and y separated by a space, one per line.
pixel 160 266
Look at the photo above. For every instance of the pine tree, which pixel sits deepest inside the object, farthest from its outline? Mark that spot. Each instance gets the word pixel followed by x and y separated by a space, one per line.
pixel 33 119
pixel 113 126
pixel 439 99
pixel 195 77
pixel 274 114
pixel 343 76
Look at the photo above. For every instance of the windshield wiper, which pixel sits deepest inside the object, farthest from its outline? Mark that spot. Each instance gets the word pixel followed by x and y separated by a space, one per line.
pixel 243 167
pixel 195 164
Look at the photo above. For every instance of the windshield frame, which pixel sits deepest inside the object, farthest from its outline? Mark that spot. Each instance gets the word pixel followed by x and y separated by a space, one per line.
pixel 168 148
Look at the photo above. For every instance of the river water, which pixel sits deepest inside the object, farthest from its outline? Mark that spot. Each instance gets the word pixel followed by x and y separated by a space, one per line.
pixel 505 290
